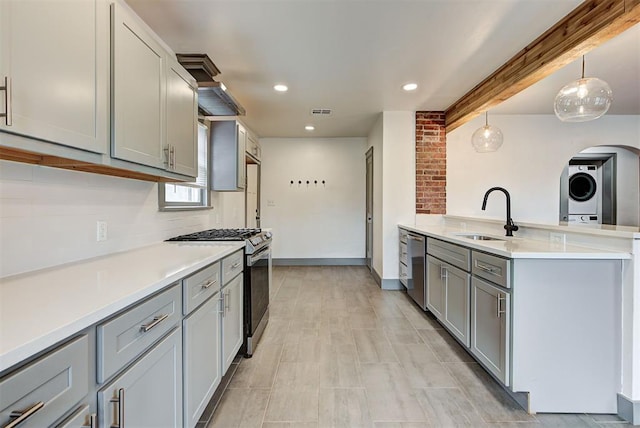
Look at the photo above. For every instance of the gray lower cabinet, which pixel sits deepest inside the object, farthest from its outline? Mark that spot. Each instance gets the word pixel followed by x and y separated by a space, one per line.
pixel 45 390
pixel 81 418
pixel 435 287
pixel 456 302
pixel 490 327
pixel 149 392
pixel 232 320
pixel 202 365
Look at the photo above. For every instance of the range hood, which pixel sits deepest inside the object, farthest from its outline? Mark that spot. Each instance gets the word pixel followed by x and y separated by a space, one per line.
pixel 213 97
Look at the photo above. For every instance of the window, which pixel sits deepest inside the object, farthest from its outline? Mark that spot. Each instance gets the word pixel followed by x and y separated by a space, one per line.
pixel 189 196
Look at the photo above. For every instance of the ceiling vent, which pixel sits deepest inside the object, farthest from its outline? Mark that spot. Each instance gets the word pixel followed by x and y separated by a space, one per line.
pixel 320 112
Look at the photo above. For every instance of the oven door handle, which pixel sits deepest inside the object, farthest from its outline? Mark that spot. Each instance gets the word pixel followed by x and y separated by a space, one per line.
pixel 264 253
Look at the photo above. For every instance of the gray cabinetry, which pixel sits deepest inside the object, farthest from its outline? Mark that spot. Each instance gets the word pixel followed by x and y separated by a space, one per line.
pixel 148 393
pixel 490 327
pixel 81 418
pixel 129 334
pixel 491 313
pixel 232 320
pixel 202 358
pixel 448 286
pixel 228 140
pixel 48 388
pixel 403 258
pixel 200 286
pixel 55 58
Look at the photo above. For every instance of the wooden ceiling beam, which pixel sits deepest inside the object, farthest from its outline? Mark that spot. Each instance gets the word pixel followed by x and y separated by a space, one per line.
pixel 590 24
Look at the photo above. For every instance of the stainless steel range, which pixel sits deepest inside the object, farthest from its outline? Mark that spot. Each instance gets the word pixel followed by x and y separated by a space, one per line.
pixel 257 275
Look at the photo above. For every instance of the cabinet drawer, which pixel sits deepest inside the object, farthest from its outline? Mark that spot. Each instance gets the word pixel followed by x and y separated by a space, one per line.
pixel 403 236
pixel 200 286
pixel 453 254
pixel 403 252
pixel 129 334
pixel 492 268
pixel 403 274
pixel 232 265
pixel 58 380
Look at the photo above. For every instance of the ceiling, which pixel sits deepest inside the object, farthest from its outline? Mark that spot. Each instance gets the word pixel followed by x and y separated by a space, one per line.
pixel 353 56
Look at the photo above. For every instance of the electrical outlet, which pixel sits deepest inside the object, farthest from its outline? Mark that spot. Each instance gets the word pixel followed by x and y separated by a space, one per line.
pixel 558 238
pixel 101 231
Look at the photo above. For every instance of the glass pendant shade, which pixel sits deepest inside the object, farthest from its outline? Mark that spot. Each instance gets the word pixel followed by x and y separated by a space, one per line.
pixel 487 138
pixel 583 100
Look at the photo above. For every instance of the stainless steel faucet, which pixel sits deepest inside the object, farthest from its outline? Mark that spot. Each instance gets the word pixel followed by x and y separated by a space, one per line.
pixel 509 226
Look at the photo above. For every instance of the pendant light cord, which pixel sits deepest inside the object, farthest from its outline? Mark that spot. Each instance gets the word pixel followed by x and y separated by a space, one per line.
pixel 583 66
pixel 486 118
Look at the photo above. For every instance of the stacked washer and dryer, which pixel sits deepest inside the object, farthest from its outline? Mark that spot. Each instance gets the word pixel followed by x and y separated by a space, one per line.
pixel 585 194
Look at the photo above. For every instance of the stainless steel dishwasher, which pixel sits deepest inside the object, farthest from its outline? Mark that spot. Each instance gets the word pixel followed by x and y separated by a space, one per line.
pixel 416 269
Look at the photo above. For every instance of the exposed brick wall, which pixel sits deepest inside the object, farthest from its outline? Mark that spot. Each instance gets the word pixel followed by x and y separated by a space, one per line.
pixel 431 163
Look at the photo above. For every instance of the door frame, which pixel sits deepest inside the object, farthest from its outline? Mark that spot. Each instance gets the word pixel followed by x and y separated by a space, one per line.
pixel 369 209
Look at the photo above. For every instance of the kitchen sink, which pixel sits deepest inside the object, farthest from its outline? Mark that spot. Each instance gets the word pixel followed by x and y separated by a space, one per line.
pixel 477 237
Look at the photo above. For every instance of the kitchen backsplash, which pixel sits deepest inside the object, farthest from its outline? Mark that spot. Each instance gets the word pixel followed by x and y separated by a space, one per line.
pixel 48 216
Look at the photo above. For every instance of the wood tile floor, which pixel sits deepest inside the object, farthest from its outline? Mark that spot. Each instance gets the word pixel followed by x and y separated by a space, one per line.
pixel 340 352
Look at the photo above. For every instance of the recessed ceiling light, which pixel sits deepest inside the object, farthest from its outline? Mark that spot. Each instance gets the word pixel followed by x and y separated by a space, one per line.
pixel 281 88
pixel 309 127
pixel 410 86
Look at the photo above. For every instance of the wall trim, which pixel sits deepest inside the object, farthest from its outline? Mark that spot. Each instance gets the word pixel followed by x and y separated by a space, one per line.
pixel 392 284
pixel 376 277
pixel 629 410
pixel 319 262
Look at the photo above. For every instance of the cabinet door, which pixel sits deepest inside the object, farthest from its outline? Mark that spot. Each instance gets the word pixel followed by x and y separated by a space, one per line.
pixel 242 142
pixel 47 388
pixel 182 120
pixel 435 287
pixel 456 310
pixel 149 393
pixel 81 418
pixel 56 55
pixel 201 359
pixel 232 317
pixel 490 327
pixel 138 86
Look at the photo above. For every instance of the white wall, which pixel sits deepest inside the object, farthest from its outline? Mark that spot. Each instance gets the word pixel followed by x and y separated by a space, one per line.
pixel 393 142
pixel 536 148
pixel 48 216
pixel 314 221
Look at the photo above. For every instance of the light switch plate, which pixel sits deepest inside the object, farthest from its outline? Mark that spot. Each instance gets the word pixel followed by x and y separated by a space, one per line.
pixel 101 231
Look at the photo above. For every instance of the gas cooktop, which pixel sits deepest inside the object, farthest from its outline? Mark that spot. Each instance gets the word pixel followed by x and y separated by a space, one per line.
pixel 218 235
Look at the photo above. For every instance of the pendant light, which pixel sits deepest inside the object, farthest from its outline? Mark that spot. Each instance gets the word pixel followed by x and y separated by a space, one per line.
pixel 583 99
pixel 487 138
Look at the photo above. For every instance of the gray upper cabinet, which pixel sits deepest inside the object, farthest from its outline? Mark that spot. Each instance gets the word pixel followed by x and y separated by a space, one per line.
pixel 138 88
pixel 45 390
pixel 182 120
pixel 228 140
pixel 55 57
pixel 148 393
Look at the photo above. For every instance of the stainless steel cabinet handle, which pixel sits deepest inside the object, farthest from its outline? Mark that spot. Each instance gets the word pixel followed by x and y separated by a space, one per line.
pixel 486 268
pixel 119 401
pixel 443 273
pixel 93 421
pixel 172 157
pixel 227 301
pixel 222 304
pixel 167 157
pixel 209 283
pixel 499 305
pixel 156 320
pixel 7 103
pixel 23 415
pixel 235 265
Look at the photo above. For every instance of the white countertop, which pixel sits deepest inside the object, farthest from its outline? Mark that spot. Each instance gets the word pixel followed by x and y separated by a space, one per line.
pixel 513 247
pixel 41 308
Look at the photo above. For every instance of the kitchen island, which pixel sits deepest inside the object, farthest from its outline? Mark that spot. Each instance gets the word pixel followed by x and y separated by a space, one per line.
pixel 542 317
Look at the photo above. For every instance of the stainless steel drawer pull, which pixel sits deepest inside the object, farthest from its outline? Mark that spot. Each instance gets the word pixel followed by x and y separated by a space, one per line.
pixel 22 415
pixel 172 157
pixel 7 103
pixel 443 273
pixel 235 265
pixel 221 299
pixel 167 159
pixel 227 301
pixel 487 268
pixel 119 402
pixel 499 305
pixel 209 283
pixel 156 320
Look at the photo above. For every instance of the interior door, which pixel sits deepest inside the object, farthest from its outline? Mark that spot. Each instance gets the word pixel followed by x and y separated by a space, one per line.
pixel 253 196
pixel 369 209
